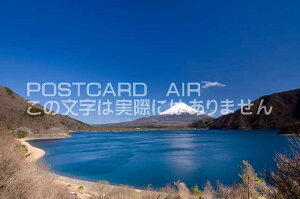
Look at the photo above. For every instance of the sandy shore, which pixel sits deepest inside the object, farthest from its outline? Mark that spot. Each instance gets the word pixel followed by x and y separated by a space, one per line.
pixel 90 188
pixel 33 153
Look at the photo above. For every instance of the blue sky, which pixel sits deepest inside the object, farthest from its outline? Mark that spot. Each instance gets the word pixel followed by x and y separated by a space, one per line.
pixel 253 47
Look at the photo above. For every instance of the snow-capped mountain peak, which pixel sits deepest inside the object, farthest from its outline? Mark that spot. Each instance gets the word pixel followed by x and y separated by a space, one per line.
pixel 181 108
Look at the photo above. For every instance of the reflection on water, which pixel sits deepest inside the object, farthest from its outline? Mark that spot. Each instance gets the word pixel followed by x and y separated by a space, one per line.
pixel 160 157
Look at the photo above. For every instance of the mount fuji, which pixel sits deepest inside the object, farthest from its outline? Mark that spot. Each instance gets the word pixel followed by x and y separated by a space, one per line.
pixel 181 108
pixel 178 116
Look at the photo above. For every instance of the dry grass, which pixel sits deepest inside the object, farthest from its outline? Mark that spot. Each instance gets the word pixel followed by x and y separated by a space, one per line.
pixel 286 179
pixel 22 180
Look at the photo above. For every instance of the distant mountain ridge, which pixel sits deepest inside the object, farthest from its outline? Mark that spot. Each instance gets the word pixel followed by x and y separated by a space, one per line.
pixel 178 116
pixel 285 113
pixel 13 115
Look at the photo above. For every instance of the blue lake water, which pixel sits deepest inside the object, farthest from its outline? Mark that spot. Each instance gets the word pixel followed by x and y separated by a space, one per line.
pixel 161 157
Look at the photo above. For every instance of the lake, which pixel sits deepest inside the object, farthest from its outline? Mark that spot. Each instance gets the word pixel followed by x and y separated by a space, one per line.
pixel 160 157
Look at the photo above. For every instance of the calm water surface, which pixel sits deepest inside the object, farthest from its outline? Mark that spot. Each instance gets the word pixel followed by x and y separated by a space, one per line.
pixel 160 157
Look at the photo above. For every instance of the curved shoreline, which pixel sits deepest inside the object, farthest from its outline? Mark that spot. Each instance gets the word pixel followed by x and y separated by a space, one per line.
pixel 34 154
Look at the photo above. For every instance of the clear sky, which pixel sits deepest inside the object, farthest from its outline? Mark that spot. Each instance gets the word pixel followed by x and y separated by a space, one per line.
pixel 253 47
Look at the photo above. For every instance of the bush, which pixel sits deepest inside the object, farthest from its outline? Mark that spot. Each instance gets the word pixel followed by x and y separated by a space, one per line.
pixel 250 181
pixel 80 188
pixel 196 191
pixel 286 179
pixel 20 134
pixel 22 148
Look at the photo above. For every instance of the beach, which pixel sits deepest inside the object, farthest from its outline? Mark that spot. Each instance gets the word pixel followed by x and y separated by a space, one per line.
pixel 35 153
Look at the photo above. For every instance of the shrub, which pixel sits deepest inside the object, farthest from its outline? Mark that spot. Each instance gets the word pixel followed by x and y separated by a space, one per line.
pixel 286 179
pixel 208 192
pixel 101 192
pixel 80 188
pixel 249 181
pixel 20 134
pixel 168 188
pixel 22 148
pixel 196 191
pixel 183 191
